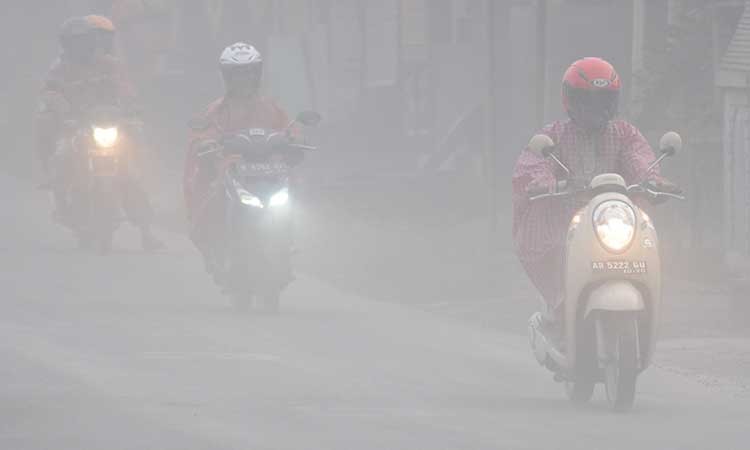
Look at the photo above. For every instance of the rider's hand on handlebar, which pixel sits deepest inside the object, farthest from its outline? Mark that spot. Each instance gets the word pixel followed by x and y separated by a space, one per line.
pixel 663 185
pixel 539 187
pixel 278 140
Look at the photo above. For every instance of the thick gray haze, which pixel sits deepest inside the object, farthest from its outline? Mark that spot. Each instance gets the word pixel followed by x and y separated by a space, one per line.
pixel 406 325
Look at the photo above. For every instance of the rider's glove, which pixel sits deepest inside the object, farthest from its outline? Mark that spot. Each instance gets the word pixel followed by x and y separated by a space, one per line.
pixel 540 187
pixel 664 185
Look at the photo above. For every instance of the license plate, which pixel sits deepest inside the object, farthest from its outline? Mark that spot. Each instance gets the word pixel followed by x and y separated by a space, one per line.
pixel 622 267
pixel 264 168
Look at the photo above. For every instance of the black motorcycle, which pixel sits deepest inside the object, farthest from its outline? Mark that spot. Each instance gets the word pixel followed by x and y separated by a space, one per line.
pixel 250 255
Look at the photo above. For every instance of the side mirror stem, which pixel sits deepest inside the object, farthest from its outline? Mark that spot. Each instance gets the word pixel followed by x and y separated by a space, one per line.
pixel 560 163
pixel 290 125
pixel 653 165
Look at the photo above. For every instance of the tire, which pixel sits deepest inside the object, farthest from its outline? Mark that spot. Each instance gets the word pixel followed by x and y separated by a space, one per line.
pixel 104 243
pixel 103 217
pixel 86 241
pixel 241 302
pixel 271 303
pixel 580 390
pixel 621 368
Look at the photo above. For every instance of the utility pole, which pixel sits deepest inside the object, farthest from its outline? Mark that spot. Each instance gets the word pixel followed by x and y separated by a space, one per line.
pixel 491 120
pixel 541 62
pixel 498 92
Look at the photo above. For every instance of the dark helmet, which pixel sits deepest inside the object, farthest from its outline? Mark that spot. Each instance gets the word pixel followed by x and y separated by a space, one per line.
pixel 591 92
pixel 78 40
pixel 242 68
pixel 104 30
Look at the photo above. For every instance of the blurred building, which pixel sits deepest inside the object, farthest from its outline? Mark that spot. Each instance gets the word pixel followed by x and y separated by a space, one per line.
pixel 450 86
pixel 733 78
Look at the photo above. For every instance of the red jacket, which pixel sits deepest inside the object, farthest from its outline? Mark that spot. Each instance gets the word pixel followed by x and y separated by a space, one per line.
pixel 72 87
pixel 539 228
pixel 227 115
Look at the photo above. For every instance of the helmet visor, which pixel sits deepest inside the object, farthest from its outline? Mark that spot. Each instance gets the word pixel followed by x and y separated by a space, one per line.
pixel 105 42
pixel 243 80
pixel 593 108
pixel 80 48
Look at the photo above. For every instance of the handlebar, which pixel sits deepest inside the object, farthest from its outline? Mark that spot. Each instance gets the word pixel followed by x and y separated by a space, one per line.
pixel 651 193
pixel 273 143
pixel 534 198
pixel 631 190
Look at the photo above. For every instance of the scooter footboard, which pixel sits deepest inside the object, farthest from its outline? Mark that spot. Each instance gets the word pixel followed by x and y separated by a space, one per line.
pixel 615 296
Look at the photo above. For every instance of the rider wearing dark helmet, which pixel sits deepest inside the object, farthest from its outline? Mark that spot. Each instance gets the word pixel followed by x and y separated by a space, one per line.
pixel 85 76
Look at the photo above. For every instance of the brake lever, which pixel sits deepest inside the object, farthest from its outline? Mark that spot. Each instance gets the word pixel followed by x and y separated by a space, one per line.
pixel 208 152
pixel 303 147
pixel 657 194
pixel 548 195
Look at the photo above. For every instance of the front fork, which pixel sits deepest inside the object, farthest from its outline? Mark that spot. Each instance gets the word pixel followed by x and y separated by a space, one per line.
pixel 255 253
pixel 608 327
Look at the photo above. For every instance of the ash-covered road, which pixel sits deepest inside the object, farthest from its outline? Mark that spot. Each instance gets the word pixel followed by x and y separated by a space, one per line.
pixel 135 351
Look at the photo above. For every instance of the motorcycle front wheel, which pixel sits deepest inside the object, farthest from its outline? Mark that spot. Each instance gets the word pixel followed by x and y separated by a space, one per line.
pixel 242 302
pixel 104 218
pixel 581 389
pixel 621 359
pixel 104 242
pixel 270 303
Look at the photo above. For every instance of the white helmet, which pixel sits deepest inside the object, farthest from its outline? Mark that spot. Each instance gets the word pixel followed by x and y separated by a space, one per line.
pixel 242 69
pixel 240 54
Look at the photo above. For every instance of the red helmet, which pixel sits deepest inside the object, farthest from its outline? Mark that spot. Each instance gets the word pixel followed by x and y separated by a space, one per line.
pixel 591 92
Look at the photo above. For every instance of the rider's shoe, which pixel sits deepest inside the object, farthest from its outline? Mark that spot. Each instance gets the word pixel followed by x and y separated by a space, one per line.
pixel 150 243
pixel 63 217
pixel 551 328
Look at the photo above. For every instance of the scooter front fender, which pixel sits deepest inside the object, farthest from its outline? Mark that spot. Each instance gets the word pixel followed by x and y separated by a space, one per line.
pixel 615 296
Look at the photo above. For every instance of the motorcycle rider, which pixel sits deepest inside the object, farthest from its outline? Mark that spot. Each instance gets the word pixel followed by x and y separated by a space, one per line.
pixel 241 108
pixel 590 142
pixel 85 74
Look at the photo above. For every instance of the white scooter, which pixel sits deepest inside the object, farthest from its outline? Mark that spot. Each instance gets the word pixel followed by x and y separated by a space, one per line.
pixel 612 286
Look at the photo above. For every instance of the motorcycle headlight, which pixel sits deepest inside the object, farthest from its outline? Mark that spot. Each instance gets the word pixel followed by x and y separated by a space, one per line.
pixel 280 198
pixel 105 137
pixel 614 222
pixel 249 199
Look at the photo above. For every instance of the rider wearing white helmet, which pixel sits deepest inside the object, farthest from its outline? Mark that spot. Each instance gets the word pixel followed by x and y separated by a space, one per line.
pixel 242 107
pixel 242 69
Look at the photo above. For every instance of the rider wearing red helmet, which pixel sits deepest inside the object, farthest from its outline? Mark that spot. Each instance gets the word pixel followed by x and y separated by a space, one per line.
pixel 592 141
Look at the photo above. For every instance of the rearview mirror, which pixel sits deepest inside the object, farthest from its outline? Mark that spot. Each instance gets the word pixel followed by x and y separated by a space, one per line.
pixel 309 118
pixel 670 144
pixel 542 145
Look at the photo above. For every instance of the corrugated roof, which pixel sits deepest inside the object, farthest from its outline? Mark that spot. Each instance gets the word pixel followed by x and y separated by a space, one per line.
pixel 737 57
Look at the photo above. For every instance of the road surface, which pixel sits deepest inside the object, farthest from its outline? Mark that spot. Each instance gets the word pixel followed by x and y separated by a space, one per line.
pixel 135 351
